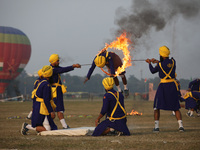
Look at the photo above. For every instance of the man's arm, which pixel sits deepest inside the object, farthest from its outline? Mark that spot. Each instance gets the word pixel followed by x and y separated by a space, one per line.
pixel 97 121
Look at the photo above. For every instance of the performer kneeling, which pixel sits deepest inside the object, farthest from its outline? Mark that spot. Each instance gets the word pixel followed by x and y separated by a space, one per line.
pixel 43 106
pixel 113 107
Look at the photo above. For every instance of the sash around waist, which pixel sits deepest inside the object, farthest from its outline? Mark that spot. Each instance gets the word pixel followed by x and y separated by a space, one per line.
pixel 166 80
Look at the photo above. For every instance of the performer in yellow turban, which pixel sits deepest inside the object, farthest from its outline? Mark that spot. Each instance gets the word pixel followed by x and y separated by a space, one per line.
pixel 167 95
pixel 113 107
pixel 35 86
pixel 57 88
pixel 43 112
pixel 112 61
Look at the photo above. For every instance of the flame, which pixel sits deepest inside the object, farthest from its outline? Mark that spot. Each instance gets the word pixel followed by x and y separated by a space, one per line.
pixel 133 112
pixel 121 43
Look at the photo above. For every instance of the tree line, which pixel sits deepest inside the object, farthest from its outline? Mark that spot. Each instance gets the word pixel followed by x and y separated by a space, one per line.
pixel 23 84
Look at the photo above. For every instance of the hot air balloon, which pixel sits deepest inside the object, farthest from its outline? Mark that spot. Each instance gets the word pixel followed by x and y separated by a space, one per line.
pixel 15 52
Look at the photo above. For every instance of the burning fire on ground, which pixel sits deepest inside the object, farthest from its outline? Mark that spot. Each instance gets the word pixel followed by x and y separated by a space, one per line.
pixel 134 113
pixel 121 43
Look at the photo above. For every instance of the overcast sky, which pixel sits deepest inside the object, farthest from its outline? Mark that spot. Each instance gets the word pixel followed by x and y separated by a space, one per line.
pixel 78 29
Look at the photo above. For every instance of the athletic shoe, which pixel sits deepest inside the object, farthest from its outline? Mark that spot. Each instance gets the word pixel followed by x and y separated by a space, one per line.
pixel 24 130
pixel 192 116
pixel 67 127
pixel 126 92
pixel 156 130
pixel 181 129
pixel 173 113
pixel 188 114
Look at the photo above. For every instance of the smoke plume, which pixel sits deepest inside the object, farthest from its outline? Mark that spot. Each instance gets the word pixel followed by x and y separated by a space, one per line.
pixel 145 15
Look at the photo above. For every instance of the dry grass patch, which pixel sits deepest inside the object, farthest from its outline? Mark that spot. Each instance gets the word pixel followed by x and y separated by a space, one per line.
pixel 81 113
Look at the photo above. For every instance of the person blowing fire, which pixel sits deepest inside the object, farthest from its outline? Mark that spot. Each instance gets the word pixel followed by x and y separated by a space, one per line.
pixel 167 96
pixel 112 61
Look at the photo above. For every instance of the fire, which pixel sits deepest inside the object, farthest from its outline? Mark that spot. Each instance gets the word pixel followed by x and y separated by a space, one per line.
pixel 133 112
pixel 121 43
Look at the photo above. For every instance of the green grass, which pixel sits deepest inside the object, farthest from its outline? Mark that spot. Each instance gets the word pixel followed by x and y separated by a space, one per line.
pixel 140 127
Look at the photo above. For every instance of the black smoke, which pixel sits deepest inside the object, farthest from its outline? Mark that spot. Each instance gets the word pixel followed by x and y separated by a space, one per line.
pixel 145 15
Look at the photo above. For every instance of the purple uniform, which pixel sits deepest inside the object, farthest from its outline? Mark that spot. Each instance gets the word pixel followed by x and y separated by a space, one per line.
pixel 191 102
pixel 56 79
pixel 109 102
pixel 113 61
pixel 167 97
pixel 43 92
pixel 196 95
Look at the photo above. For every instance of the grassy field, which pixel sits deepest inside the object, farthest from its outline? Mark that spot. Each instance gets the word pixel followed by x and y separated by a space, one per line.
pixel 80 113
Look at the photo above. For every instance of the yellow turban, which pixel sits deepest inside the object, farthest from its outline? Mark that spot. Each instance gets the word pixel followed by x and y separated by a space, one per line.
pixel 164 51
pixel 108 83
pixel 47 71
pixel 39 72
pixel 53 58
pixel 100 61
